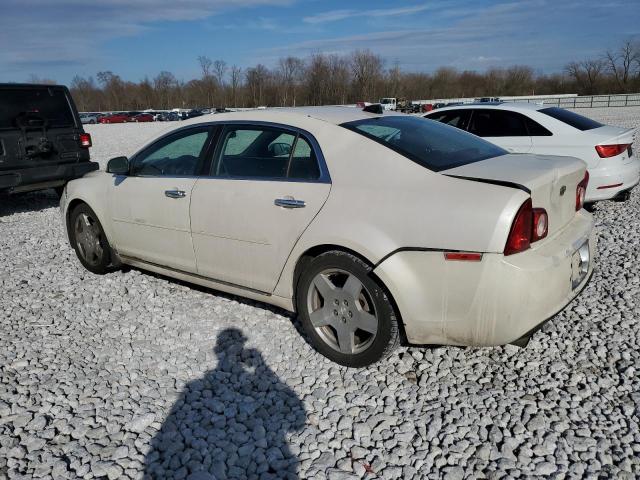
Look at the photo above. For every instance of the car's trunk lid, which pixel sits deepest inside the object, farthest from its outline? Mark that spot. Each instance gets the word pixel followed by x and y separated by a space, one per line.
pixel 550 180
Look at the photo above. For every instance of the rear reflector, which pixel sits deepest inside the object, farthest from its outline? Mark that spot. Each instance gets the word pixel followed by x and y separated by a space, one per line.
pixel 602 187
pixel 606 151
pixel 519 238
pixel 463 256
pixel 85 140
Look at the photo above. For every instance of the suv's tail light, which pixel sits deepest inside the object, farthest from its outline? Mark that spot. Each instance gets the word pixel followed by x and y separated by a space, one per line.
pixel 606 151
pixel 85 140
pixel 530 225
pixel 581 191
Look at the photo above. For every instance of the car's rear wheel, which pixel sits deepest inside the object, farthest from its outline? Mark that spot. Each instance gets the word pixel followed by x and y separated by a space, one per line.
pixel 89 240
pixel 344 311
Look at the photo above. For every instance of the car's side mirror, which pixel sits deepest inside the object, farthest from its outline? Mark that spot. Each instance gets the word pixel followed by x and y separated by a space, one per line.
pixel 279 149
pixel 118 166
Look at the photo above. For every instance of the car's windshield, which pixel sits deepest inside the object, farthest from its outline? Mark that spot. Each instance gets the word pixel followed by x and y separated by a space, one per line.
pixel 431 144
pixel 49 105
pixel 386 101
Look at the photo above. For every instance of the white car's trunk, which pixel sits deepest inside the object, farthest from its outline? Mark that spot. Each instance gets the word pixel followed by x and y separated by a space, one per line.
pixel 551 181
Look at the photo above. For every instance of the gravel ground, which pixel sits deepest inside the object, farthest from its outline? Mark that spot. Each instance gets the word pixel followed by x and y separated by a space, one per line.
pixel 132 375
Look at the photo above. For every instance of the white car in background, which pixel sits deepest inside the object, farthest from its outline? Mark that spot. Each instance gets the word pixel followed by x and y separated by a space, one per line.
pixel 371 227
pixel 531 128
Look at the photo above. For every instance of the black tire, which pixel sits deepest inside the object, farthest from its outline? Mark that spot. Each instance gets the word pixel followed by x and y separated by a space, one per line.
pixel 97 259
pixel 372 301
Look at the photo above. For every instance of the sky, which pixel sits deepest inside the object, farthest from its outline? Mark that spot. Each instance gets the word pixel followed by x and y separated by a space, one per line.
pixel 58 39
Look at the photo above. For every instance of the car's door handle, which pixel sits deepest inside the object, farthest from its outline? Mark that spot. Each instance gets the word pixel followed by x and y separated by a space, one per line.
pixel 289 203
pixel 175 193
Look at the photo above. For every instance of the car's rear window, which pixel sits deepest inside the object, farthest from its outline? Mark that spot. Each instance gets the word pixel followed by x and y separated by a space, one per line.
pixel 431 144
pixel 49 104
pixel 571 118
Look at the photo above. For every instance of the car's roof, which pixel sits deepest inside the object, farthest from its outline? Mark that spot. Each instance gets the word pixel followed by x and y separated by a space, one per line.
pixel 514 106
pixel 335 115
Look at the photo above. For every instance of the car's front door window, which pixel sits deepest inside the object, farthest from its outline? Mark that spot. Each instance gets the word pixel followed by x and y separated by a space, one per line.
pixel 265 153
pixel 177 155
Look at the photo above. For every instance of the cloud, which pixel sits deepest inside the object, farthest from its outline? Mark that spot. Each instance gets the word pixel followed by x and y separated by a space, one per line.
pixel 477 36
pixel 335 15
pixel 37 33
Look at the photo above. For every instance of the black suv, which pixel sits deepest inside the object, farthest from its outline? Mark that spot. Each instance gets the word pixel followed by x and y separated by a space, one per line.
pixel 42 142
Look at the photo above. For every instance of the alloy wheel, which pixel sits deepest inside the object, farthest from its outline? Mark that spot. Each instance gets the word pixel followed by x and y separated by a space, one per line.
pixel 342 312
pixel 88 239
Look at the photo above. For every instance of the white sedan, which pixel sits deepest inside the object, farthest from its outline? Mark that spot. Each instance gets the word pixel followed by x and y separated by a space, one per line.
pixel 373 228
pixel 531 128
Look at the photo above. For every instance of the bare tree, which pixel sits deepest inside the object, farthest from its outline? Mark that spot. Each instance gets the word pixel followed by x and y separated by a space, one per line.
pixel 587 74
pixel 256 83
pixel 290 71
pixel 621 62
pixel 205 65
pixel 367 73
pixel 220 71
pixel 236 79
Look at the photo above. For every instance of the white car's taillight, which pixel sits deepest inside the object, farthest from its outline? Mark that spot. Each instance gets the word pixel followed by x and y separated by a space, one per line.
pixel 529 225
pixel 606 151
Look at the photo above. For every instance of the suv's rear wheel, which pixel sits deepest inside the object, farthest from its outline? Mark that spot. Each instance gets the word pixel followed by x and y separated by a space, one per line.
pixel 344 311
pixel 89 240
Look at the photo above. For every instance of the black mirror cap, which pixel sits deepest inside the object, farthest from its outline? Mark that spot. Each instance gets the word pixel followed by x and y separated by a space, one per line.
pixel 118 166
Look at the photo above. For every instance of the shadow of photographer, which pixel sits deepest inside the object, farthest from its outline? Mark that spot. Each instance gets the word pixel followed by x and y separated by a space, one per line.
pixel 231 423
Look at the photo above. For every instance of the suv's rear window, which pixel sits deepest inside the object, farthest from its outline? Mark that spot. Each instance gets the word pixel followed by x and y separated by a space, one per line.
pixel 49 104
pixel 571 118
pixel 431 144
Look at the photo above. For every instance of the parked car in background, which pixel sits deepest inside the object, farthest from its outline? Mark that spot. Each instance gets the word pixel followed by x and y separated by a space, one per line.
pixel 194 113
pixel 168 117
pixel 142 117
pixel 115 118
pixel 426 232
pixel 89 118
pixel 531 128
pixel 42 141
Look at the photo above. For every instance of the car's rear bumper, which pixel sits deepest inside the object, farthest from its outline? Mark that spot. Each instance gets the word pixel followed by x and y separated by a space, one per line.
pixel 601 180
pixel 491 302
pixel 36 178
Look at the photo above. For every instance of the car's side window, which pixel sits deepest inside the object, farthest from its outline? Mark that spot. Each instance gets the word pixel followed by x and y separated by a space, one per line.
pixel 303 164
pixel 264 152
pixel 497 123
pixel 455 118
pixel 536 130
pixel 177 155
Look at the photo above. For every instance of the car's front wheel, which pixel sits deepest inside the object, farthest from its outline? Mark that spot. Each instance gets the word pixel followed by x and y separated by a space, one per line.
pixel 344 311
pixel 89 240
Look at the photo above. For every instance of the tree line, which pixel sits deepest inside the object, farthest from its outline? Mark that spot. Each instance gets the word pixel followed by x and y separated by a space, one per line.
pixel 326 79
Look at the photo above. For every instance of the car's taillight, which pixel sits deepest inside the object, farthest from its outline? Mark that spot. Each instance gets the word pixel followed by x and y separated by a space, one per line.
pixel 540 224
pixel 85 140
pixel 606 151
pixel 581 191
pixel 519 238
